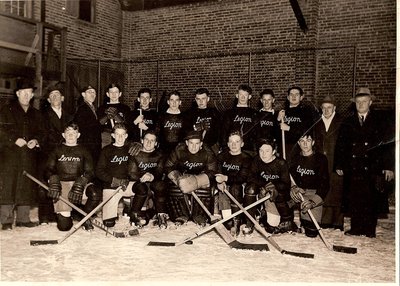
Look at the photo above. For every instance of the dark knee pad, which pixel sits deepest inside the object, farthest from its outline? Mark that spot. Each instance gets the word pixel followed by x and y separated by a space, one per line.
pixel 141 190
pixel 159 189
pixel 309 228
pixel 95 195
pixel 176 205
pixel 64 223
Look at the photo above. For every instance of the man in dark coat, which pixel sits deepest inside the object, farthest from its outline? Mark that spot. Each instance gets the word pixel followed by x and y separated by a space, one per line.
pixel 326 133
pixel 21 135
pixel 89 125
pixel 362 163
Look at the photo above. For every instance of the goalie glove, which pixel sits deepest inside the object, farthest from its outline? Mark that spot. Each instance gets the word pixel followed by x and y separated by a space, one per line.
pixel 119 183
pixel 204 125
pixel 190 183
pixel 294 193
pixel 174 176
pixel 307 205
pixel 111 112
pixel 54 187
pixel 76 192
pixel 269 189
pixel 134 148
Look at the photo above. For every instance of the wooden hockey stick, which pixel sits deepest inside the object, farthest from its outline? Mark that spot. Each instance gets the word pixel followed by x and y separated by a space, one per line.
pixel 77 226
pixel 208 228
pixel 337 248
pixel 224 233
pixel 93 220
pixel 262 230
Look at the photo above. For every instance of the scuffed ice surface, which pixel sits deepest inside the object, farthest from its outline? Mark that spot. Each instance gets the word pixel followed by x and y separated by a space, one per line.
pixel 96 257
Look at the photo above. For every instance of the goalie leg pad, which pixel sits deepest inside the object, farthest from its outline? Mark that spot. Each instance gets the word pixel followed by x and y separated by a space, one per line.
pixel 141 190
pixel 176 205
pixel 199 216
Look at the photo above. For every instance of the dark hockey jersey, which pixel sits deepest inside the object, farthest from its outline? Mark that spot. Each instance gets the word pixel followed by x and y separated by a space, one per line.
pixel 123 111
pixel 311 172
pixel 69 163
pixel 276 172
pixel 236 167
pixel 239 119
pixel 113 163
pixel 300 119
pixel 150 119
pixel 170 130
pixel 182 160
pixel 267 126
pixel 143 163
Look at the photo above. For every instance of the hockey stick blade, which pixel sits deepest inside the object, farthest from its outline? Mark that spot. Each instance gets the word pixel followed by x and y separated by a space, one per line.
pixel 298 254
pixel 248 246
pixel 43 242
pixel 344 249
pixel 161 243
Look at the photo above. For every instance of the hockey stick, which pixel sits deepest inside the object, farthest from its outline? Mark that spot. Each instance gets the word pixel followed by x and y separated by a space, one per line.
pixel 262 230
pixel 93 220
pixel 337 248
pixel 225 234
pixel 208 228
pixel 77 226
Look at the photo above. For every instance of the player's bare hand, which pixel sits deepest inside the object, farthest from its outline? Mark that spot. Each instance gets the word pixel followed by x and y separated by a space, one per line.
pixel 32 143
pixel 339 172
pixel 20 142
pixel 389 175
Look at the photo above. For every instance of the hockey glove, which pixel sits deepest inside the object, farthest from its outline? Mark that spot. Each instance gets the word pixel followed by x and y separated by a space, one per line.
pixel 269 189
pixel 174 176
pixel 294 193
pixel 204 125
pixel 190 183
pixel 111 112
pixel 135 148
pixel 307 205
pixel 54 187
pixel 76 192
pixel 119 183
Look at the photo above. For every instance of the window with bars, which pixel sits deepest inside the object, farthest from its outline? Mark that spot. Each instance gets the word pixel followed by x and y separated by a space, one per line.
pixel 82 9
pixel 21 8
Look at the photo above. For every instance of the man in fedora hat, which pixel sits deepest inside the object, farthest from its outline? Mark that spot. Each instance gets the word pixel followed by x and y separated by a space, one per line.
pixel 326 134
pixel 21 134
pixel 361 161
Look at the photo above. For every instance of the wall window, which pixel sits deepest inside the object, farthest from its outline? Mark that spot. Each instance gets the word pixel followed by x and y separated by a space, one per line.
pixel 82 9
pixel 21 8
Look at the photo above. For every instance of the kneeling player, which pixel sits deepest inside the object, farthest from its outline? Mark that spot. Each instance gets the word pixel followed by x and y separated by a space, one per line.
pixel 69 170
pixel 146 170
pixel 311 179
pixel 190 168
pixel 271 174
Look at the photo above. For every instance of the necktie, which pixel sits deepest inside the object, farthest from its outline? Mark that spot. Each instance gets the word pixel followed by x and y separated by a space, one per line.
pixel 362 120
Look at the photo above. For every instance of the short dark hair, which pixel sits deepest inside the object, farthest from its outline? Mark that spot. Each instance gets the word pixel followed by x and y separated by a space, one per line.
pixel 235 132
pixel 202 90
pixel 246 88
pixel 295 87
pixel 72 125
pixel 119 126
pixel 144 90
pixel 151 132
pixel 267 91
pixel 174 92
pixel 112 85
pixel 266 141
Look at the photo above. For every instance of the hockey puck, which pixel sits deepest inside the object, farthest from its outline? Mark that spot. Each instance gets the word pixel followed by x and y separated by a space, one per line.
pixel 189 242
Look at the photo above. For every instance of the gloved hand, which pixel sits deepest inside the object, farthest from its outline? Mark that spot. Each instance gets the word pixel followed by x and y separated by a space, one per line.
pixel 119 183
pixel 134 148
pixel 204 125
pixel 294 193
pixel 307 205
pixel 269 189
pixel 54 187
pixel 111 112
pixel 189 183
pixel 76 192
pixel 174 176
pixel 147 177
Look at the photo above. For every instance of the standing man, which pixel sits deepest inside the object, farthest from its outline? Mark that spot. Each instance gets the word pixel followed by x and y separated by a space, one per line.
pixel 326 134
pixel 204 119
pixel 359 159
pixel 21 135
pixel 89 125
pixel 266 119
pixel 240 118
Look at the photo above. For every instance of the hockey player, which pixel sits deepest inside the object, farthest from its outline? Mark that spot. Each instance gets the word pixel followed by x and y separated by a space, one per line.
pixel 111 113
pixel 112 170
pixel 170 124
pixel 69 172
pixel 296 119
pixel 233 170
pixel 142 119
pixel 310 174
pixel 267 124
pixel 270 174
pixel 240 118
pixel 205 119
pixel 146 170
pixel 190 168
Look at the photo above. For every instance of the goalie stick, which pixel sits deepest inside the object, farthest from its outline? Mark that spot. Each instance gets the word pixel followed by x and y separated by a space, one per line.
pixel 97 223
pixel 204 230
pixel 262 230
